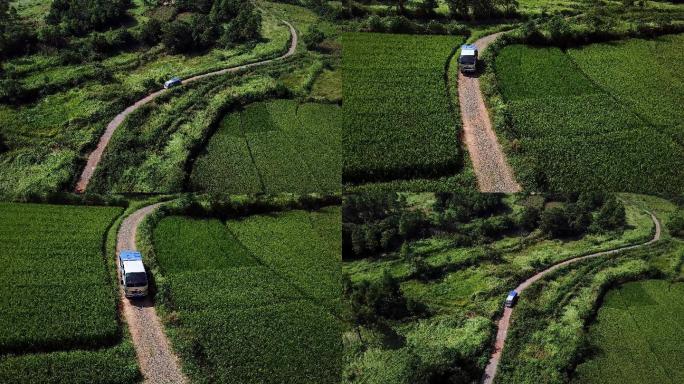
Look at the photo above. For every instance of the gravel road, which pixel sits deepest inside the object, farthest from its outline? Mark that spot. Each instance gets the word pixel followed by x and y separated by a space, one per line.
pixel 155 355
pixel 504 322
pixel 96 155
pixel 489 162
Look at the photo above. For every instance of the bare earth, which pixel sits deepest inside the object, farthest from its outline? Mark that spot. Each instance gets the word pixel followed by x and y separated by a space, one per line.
pixel 95 156
pixel 489 162
pixel 155 356
pixel 504 322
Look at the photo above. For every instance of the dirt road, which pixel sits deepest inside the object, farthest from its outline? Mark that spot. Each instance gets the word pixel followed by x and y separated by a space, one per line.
pixel 489 162
pixel 158 363
pixel 96 155
pixel 504 322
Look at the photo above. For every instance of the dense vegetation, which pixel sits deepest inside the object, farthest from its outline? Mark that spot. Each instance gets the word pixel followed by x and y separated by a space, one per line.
pixel 399 122
pixel 630 349
pixel 269 283
pixel 57 95
pixel 420 308
pixel 58 312
pixel 587 118
pixel 274 146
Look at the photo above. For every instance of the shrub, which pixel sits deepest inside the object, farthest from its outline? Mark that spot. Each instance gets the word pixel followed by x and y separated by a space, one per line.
pixel 676 224
pixel 314 36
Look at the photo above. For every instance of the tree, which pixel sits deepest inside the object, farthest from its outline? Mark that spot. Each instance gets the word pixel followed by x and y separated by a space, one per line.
pixel 177 36
pixel 676 224
pixel 3 146
pixel 245 27
pixel 151 32
pixel 313 37
pixel 225 10
pixel 529 220
pixel 612 215
pixel 82 16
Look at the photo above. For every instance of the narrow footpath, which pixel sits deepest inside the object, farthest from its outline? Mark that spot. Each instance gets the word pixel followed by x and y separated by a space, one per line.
pixel 504 322
pixel 96 155
pixel 492 170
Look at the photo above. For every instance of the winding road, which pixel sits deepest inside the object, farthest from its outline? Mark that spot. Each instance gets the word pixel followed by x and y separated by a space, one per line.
pixel 158 363
pixel 96 155
pixel 492 170
pixel 504 322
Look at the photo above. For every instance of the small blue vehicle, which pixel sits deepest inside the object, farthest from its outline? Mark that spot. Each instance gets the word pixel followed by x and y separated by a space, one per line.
pixel 173 82
pixel 511 299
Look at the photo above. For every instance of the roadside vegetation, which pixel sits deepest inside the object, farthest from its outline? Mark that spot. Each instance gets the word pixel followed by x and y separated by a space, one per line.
pixel 59 321
pixel 265 270
pixel 418 267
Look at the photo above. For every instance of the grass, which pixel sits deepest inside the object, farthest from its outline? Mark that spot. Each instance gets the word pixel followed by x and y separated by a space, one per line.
pixel 398 120
pixel 588 116
pixel 271 282
pixel 48 139
pixel 465 294
pixel 630 348
pixel 58 312
pixel 273 146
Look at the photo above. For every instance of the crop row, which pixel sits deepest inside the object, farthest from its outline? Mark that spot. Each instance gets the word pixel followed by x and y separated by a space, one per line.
pixel 254 296
pixel 55 290
pixel 398 122
pixel 273 146
pixel 570 134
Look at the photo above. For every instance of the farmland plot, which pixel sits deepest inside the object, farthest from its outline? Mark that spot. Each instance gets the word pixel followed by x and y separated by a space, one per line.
pixel 273 146
pixel 398 120
pixel 638 333
pixel 57 299
pixel 581 120
pixel 255 297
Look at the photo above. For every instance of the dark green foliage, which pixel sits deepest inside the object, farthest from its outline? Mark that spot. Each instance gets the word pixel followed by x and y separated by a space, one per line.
pixel 373 301
pixel 482 9
pixel 529 219
pixel 225 10
pixel 314 36
pixel 676 224
pixel 569 220
pixel 82 16
pixel 151 32
pixel 246 26
pixel 16 37
pixel 612 215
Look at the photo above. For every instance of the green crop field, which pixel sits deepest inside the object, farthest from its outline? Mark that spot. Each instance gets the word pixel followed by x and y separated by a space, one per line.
pixel 601 116
pixel 399 122
pixel 638 336
pixel 58 301
pixel 273 146
pixel 255 298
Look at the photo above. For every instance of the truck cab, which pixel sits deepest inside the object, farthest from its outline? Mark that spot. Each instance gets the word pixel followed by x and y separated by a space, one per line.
pixel 511 299
pixel 173 82
pixel 133 275
pixel 467 60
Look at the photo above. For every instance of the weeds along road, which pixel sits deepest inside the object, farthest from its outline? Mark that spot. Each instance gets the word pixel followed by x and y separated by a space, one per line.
pixel 489 161
pixel 504 322
pixel 158 363
pixel 95 156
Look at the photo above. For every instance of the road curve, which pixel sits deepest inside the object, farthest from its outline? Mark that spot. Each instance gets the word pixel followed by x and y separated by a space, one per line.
pixel 96 155
pixel 158 363
pixel 489 161
pixel 504 322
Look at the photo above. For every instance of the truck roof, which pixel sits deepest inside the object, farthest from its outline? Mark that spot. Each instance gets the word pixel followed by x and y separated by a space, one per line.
pixel 512 294
pixel 128 255
pixel 468 52
pixel 134 266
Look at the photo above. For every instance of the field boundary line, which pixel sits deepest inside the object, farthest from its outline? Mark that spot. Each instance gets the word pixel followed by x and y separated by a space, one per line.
pixel 505 319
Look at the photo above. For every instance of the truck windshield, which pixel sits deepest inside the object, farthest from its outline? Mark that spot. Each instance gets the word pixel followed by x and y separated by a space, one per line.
pixel 136 279
pixel 467 60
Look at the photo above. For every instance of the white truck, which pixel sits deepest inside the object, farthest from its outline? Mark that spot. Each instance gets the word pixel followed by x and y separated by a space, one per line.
pixel 173 82
pixel 133 275
pixel 467 60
